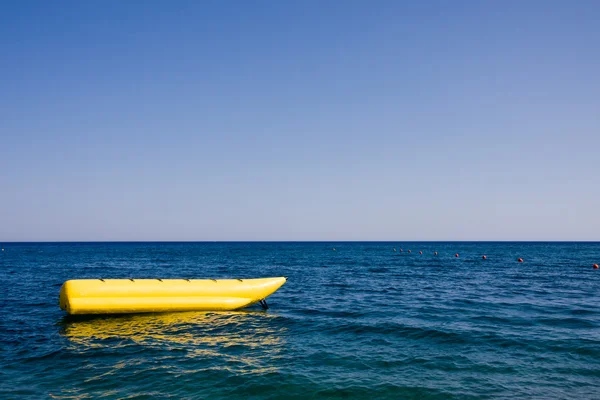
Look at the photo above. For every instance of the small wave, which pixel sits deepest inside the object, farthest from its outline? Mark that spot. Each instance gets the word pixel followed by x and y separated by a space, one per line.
pixel 570 323
pixel 378 270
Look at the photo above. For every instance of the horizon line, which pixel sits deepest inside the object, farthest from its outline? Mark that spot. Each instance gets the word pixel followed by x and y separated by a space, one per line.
pixel 298 241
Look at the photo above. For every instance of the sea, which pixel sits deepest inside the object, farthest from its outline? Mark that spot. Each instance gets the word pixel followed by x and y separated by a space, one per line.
pixel 355 320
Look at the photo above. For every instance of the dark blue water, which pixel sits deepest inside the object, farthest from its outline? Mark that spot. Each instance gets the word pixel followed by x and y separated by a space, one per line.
pixel 362 321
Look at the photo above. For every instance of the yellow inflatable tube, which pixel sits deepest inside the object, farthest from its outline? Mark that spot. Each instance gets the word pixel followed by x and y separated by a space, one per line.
pixel 118 296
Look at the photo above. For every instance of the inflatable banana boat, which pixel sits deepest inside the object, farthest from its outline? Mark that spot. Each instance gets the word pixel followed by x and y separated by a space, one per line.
pixel 119 296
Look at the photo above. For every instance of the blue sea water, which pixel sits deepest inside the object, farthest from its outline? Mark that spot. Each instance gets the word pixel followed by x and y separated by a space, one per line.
pixel 360 321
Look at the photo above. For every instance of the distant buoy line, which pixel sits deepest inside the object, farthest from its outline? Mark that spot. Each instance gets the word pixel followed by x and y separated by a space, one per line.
pixel 456 255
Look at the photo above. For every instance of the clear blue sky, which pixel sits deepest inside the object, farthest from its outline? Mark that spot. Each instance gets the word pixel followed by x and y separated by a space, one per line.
pixel 299 120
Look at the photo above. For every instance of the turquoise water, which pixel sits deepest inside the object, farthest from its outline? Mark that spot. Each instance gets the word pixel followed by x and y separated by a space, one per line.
pixel 362 321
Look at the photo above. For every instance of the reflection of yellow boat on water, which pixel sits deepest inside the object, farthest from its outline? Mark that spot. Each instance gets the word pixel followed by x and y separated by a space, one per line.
pixel 240 341
pixel 117 296
pixel 179 327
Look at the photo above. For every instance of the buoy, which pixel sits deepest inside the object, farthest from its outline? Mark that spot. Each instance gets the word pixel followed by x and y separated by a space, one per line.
pixel 435 253
pixel 456 255
pixel 409 251
pixel 420 252
pixel 595 265
pixel 520 260
pixel 333 249
pixel 484 257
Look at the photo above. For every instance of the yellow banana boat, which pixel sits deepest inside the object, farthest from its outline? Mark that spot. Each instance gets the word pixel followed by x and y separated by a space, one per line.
pixel 119 296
